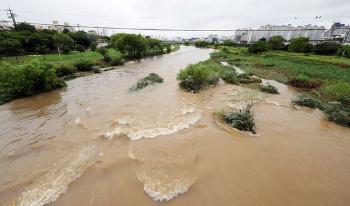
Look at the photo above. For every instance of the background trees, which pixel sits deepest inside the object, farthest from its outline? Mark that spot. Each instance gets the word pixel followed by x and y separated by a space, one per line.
pixel 276 43
pixel 300 45
pixel 34 41
pixel 63 42
pixel 135 46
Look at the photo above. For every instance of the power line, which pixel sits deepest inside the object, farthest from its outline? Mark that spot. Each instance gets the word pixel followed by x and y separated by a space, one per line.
pixel 172 30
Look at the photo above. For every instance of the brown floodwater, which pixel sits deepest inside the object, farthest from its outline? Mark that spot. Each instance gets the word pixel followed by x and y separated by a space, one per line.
pixel 96 143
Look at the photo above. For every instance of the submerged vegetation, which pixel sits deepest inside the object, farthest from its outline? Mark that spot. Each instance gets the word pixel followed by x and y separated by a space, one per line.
pixel 151 79
pixel 241 119
pixel 269 89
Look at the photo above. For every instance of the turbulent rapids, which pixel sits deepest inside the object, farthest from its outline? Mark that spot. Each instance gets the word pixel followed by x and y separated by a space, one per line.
pixel 96 143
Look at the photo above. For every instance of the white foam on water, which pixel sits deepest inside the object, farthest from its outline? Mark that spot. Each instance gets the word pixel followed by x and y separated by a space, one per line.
pixel 49 187
pixel 135 131
pixel 163 181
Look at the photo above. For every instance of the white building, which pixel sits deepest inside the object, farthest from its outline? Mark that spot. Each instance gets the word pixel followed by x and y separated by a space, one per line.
pixel 288 32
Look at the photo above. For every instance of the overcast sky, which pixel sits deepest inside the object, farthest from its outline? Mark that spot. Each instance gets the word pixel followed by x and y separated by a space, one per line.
pixel 180 14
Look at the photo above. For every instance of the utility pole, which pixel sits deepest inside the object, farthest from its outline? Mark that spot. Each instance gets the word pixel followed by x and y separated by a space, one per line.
pixel 12 16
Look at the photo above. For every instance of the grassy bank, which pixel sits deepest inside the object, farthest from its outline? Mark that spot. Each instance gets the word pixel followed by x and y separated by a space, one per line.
pixel 324 79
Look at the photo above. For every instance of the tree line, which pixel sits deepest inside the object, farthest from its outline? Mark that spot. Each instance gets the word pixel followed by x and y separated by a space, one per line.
pixel 299 45
pixel 25 39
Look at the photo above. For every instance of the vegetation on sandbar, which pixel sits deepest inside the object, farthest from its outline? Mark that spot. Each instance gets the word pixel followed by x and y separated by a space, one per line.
pixel 268 88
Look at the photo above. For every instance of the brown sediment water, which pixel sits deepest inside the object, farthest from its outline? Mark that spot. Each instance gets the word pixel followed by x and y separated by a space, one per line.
pixel 96 143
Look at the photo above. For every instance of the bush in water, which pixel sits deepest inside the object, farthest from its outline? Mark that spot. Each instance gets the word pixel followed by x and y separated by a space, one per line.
pixel 84 65
pixel 28 79
pixel 337 113
pixel 269 89
pixel 306 101
pixel 149 80
pixel 242 119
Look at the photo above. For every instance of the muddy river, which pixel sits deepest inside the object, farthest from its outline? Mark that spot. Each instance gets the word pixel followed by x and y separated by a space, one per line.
pixel 96 143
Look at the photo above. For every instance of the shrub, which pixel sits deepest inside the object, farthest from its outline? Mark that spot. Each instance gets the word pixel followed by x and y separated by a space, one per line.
pixel 229 75
pixel 269 89
pixel 103 51
pixel 246 79
pixel 305 101
pixel 28 79
pixel 257 47
pixel 198 76
pixel 84 65
pixel 300 45
pixel 326 48
pixel 303 81
pixel 64 70
pixel 107 58
pixel 276 43
pixel 117 59
pixel 242 119
pixel 149 80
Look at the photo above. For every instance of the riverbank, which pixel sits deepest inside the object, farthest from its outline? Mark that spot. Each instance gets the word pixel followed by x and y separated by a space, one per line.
pixel 36 74
pixel 325 79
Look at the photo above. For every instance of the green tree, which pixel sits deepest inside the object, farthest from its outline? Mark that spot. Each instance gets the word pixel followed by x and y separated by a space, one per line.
pixel 80 49
pixel 131 44
pixel 300 45
pixel 42 49
pixel 81 38
pixel 62 40
pixel 275 43
pixel 11 47
pixel 24 27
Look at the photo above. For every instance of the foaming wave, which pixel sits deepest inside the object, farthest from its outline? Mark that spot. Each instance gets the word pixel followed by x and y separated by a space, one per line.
pixel 135 130
pixel 164 181
pixel 50 186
